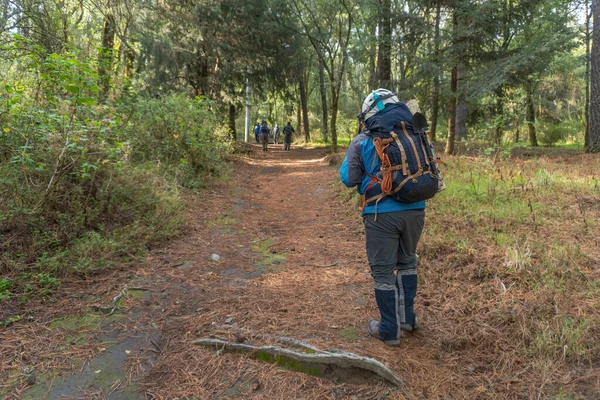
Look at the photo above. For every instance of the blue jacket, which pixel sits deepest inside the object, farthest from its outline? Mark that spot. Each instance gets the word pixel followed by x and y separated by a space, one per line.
pixel 361 161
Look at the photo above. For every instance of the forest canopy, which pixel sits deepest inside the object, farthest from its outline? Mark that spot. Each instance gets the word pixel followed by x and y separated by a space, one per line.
pixel 505 71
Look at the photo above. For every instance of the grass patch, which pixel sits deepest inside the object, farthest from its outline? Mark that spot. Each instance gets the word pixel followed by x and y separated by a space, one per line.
pixel 271 262
pixel 349 334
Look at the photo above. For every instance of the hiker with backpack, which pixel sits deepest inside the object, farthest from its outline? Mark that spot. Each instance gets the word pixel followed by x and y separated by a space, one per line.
pixel 288 131
pixel 395 172
pixel 264 135
pixel 257 132
pixel 276 133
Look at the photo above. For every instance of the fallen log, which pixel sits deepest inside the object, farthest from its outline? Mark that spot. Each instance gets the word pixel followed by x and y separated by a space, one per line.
pixel 342 366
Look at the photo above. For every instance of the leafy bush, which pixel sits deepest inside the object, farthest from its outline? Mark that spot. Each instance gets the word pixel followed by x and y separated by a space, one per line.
pixel 567 131
pixel 550 134
pixel 180 134
pixel 84 184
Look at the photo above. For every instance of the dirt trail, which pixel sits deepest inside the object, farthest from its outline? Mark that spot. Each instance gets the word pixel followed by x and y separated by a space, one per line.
pixel 292 263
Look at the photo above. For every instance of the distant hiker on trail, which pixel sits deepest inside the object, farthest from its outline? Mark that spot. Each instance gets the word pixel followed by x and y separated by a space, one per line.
pixel 257 132
pixel 264 135
pixel 288 130
pixel 276 133
pixel 393 205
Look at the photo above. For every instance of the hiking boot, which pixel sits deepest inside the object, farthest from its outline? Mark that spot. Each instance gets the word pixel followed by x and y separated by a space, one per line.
pixel 410 328
pixel 373 328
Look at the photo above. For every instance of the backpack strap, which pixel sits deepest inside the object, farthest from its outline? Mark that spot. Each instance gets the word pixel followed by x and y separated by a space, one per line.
pixel 413 146
pixel 405 170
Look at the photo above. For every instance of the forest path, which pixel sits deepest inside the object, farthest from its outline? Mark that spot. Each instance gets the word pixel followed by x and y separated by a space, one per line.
pixel 292 263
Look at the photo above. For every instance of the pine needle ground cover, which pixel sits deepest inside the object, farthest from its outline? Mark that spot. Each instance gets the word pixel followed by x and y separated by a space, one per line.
pixel 512 252
pixel 508 293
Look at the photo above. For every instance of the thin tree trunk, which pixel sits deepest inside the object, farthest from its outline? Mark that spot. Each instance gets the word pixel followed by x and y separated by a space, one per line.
pixel 384 54
pixel 461 102
pixel 299 117
pixel 336 85
pixel 436 77
pixel 499 131
pixel 452 113
pixel 323 101
pixel 531 120
pixel 594 132
pixel 231 122
pixel 304 103
pixel 106 56
pixel 334 112
pixel 588 16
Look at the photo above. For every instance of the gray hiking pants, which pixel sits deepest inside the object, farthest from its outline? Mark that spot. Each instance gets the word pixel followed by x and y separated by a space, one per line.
pixel 391 250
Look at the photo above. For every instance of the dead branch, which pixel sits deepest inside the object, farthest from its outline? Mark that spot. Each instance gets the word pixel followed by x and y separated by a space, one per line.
pixel 343 362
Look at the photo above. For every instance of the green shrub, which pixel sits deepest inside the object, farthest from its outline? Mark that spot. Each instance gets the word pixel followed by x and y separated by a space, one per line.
pixel 567 132
pixel 550 134
pixel 83 185
pixel 182 135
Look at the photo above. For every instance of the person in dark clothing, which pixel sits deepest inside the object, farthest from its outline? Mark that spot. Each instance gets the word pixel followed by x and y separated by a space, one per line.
pixel 392 228
pixel 264 135
pixel 288 130
pixel 276 133
pixel 257 132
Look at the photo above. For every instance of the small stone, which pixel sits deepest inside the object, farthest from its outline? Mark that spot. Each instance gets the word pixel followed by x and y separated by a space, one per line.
pixel 215 257
pixel 229 320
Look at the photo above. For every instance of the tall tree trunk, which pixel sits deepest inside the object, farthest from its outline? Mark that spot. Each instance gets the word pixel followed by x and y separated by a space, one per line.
pixel 384 54
pixel 531 120
pixel 334 112
pixel 304 103
pixel 499 131
pixel 461 102
pixel 106 54
pixel 594 133
pixel 231 122
pixel 299 117
pixel 323 101
pixel 588 17
pixel 452 113
pixel 336 85
pixel 436 78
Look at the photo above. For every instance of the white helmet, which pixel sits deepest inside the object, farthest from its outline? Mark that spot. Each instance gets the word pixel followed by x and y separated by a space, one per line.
pixel 376 102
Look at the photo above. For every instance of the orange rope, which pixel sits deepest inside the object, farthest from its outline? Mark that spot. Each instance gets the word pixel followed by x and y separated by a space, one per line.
pixel 386 165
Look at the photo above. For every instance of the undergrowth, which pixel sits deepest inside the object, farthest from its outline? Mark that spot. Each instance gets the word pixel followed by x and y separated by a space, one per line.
pixel 86 185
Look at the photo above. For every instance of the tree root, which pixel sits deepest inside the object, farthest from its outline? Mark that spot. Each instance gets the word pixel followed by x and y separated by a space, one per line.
pixel 341 365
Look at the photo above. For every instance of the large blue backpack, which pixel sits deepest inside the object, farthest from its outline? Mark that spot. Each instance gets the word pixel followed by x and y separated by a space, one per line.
pixel 408 172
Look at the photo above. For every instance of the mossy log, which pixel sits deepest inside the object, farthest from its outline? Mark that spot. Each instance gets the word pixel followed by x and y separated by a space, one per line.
pixel 342 366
